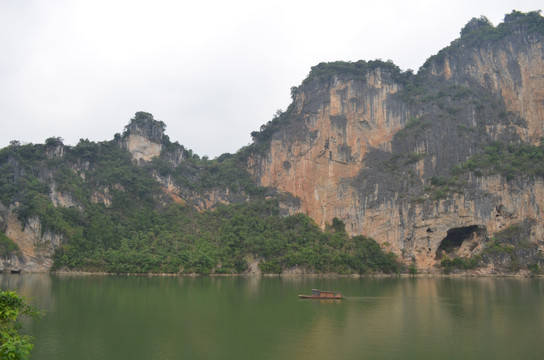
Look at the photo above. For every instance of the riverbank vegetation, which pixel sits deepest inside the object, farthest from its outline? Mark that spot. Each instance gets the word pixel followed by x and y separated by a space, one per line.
pixel 13 345
pixel 223 241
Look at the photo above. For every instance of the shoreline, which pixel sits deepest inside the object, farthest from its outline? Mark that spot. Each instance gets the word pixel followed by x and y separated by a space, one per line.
pixel 523 275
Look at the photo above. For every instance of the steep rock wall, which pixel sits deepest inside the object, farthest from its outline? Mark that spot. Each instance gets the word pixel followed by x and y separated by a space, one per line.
pixel 415 230
pixel 36 245
pixel 511 69
pixel 335 124
pixel 143 137
pixel 337 147
pixel 141 147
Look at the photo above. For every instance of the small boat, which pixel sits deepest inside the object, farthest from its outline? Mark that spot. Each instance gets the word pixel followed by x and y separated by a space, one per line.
pixel 322 294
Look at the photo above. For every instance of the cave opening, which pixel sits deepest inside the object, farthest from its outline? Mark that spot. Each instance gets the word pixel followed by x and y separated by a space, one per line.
pixel 455 238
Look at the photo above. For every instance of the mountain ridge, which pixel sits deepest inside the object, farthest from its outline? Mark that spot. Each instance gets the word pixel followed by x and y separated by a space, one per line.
pixel 442 169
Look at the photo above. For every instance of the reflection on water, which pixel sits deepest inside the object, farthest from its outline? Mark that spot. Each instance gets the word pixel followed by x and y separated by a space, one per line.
pixel 121 317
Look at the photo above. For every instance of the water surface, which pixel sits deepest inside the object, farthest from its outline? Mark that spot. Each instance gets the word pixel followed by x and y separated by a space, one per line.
pixel 124 317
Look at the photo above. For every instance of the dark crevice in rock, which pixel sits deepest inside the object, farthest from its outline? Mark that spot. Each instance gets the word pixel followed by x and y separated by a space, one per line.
pixel 455 238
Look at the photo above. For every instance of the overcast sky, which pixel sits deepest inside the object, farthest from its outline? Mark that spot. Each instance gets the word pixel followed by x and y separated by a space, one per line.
pixel 213 71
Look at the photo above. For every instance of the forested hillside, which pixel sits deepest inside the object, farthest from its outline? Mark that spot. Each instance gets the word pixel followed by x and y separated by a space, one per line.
pixel 109 214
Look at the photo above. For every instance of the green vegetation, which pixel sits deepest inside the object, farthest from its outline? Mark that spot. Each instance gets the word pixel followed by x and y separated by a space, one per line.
pixel 530 22
pixel 13 345
pixel 412 268
pixel 534 269
pixel 508 160
pixel 414 126
pixel 263 137
pixel 461 263
pixel 480 31
pixel 476 24
pixel 414 157
pixel 358 70
pixel 201 175
pixel 499 158
pixel 494 247
pixel 423 89
pixel 145 119
pixel 221 241
pixel 7 246
pixel 441 187
pixel 511 248
pixel 119 219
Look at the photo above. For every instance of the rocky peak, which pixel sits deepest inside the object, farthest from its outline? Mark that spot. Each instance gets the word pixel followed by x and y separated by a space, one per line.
pixel 476 24
pixel 54 147
pixel 505 61
pixel 143 137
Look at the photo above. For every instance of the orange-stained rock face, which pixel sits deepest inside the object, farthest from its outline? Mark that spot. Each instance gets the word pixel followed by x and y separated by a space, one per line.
pixel 351 119
pixel 36 246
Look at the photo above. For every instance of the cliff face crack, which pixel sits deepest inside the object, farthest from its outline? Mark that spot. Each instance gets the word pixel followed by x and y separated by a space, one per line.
pixel 456 237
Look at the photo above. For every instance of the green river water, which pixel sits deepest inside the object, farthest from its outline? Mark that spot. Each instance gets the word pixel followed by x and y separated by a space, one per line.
pixel 137 317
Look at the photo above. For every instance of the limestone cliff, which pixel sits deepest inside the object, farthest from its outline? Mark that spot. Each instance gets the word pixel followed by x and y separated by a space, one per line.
pixel 35 244
pixel 143 137
pixel 377 148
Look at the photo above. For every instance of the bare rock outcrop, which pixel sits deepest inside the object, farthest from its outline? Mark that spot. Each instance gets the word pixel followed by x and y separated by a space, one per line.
pixel 143 137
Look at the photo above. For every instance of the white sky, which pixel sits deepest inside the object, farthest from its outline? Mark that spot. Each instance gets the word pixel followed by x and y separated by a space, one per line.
pixel 212 70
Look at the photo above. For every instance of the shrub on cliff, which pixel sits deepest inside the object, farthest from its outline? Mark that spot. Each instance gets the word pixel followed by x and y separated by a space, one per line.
pixel 8 247
pixel 358 70
pixel 508 160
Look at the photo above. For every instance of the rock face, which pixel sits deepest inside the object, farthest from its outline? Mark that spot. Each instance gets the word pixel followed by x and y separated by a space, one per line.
pixel 36 246
pixel 333 125
pixel 512 70
pixel 372 146
pixel 143 137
